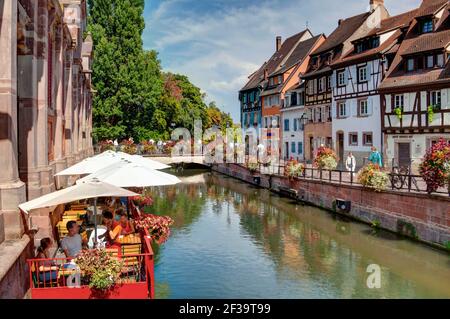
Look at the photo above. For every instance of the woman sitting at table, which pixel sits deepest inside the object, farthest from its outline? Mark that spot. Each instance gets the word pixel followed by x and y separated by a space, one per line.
pixel 48 270
pixel 125 223
pixel 113 229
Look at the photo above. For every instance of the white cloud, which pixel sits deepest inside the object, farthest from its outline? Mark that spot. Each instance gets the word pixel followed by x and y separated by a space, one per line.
pixel 218 49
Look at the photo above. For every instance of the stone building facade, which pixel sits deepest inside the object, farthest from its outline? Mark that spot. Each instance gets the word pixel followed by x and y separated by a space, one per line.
pixel 45 116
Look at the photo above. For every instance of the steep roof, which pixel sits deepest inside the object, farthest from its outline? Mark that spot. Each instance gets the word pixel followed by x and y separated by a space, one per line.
pixel 344 31
pixel 419 43
pixel 301 51
pixel 392 24
pixel 275 60
pixel 430 7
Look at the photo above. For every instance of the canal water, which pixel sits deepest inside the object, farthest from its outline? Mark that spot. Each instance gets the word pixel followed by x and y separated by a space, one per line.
pixel 232 240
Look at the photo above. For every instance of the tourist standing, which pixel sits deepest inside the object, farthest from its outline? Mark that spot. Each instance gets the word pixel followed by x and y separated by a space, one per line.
pixel 350 163
pixel 375 157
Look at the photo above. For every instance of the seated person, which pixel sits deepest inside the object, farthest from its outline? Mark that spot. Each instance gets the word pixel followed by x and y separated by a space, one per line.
pixel 126 225
pixel 113 229
pixel 48 270
pixel 73 243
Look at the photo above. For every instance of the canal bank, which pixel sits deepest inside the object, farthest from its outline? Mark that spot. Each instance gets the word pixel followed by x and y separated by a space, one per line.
pixel 231 239
pixel 422 217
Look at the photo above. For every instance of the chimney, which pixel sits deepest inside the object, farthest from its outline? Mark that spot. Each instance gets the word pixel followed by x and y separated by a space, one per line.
pixel 278 43
pixel 340 21
pixel 266 74
pixel 375 3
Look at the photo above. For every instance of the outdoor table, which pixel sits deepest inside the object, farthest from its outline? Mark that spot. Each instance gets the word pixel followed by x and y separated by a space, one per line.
pixel 129 239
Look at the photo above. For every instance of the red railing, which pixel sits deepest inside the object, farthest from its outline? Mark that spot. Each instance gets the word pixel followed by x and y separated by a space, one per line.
pixel 137 280
pixel 58 278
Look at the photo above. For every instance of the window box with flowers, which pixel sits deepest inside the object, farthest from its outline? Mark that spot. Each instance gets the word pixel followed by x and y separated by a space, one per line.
pixel 157 226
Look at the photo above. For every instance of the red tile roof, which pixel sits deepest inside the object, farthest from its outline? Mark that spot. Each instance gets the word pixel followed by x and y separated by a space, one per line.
pixel 429 7
pixel 420 43
pixel 344 31
pixel 277 58
pixel 301 51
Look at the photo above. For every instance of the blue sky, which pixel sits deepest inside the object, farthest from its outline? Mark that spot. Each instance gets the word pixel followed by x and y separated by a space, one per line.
pixel 218 43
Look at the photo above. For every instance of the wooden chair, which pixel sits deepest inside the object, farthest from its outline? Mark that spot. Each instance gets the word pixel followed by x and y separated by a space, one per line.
pixel 132 262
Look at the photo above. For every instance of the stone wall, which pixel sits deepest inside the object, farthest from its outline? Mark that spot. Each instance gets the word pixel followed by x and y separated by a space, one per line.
pixel 421 216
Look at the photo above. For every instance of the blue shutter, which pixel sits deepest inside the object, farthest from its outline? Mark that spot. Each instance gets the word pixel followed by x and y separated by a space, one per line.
pixel 245 118
pixel 252 118
pixel 293 147
pixel 300 147
pixel 286 125
pixel 295 125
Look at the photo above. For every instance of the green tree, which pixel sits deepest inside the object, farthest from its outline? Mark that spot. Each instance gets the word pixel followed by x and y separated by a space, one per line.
pixel 127 78
pixel 135 98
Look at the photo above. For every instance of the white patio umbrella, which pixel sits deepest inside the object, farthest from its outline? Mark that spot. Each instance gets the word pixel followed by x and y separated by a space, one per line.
pixel 88 189
pixel 128 174
pixel 91 165
pixel 146 162
pixel 103 160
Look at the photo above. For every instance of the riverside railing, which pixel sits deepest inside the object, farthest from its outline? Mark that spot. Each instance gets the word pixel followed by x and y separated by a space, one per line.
pixel 400 179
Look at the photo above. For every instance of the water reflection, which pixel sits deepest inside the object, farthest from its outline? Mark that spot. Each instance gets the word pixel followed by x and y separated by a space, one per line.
pixel 231 240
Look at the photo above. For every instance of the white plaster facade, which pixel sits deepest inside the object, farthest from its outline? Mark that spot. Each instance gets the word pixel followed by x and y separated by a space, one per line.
pixel 356 110
pixel 292 115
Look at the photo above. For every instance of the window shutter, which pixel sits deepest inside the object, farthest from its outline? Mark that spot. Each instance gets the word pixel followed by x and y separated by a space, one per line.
pixel 333 80
pixel 334 110
pixel 348 109
pixel 445 99
pixel 369 106
pixel 369 70
pixel 406 107
pixel 348 75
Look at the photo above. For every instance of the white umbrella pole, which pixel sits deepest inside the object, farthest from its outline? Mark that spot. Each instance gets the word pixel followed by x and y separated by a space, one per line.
pixel 95 222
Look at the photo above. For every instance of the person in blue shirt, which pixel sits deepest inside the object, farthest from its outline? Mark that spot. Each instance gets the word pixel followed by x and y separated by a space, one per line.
pixel 375 157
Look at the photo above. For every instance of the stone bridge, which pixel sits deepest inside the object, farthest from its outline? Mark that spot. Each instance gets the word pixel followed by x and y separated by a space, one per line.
pixel 175 160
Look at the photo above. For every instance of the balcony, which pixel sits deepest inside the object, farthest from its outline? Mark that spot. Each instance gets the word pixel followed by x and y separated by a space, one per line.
pixel 64 280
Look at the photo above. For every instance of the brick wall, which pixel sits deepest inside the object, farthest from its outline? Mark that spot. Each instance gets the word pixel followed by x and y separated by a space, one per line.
pixel 427 217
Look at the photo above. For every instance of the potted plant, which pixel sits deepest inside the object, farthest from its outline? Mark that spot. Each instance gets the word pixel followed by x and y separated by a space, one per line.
pixel 252 167
pixel 128 146
pixel 398 111
pixel 148 148
pixel 100 269
pixel 325 159
pixel 157 226
pixel 371 176
pixel 431 110
pixel 435 167
pixel 107 145
pixel 294 169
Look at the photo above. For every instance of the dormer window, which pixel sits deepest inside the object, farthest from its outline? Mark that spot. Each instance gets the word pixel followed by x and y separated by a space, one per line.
pixel 427 26
pixel 410 64
pixel 367 44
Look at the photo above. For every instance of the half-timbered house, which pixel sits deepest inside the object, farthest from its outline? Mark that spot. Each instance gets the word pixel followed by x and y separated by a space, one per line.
pixel 318 103
pixel 356 113
pixel 415 95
